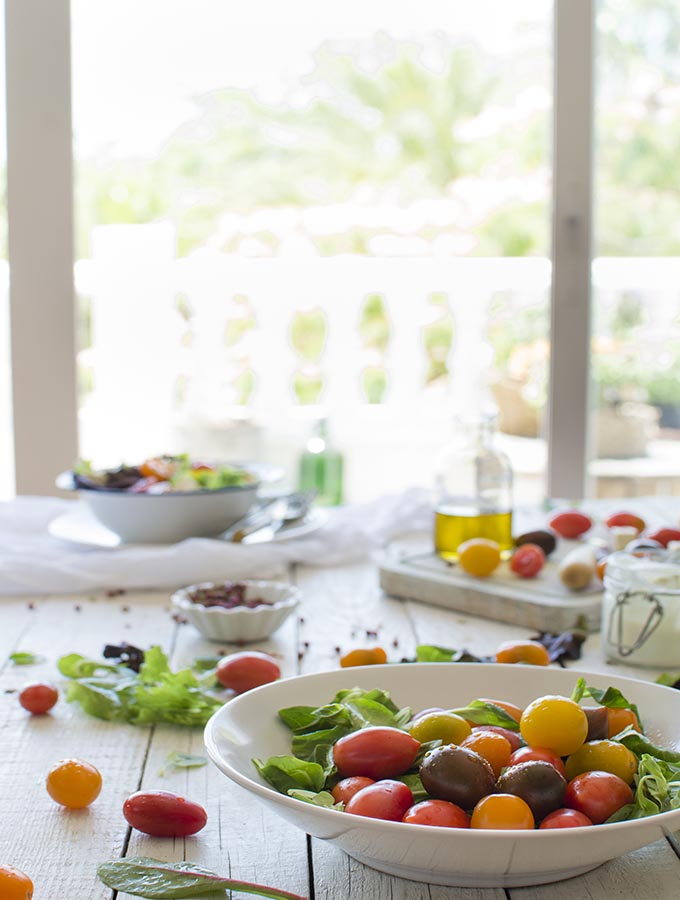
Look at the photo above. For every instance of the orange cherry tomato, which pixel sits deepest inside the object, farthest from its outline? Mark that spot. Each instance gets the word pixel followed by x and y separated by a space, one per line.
pixel 601 568
pixel 370 657
pixel 162 469
pixel 492 747
pixel 74 783
pixel 14 884
pixel 502 811
pixel 618 719
pixel 479 556
pixel 531 652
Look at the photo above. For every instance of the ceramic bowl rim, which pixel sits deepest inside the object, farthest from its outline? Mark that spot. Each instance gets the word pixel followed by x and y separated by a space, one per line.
pixel 180 598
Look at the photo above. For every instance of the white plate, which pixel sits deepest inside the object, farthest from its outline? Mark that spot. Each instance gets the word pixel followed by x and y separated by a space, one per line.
pixel 79 526
pixel 248 726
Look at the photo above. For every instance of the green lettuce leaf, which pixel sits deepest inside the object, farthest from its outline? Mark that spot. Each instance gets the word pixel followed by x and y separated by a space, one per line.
pixel 640 746
pixel 286 773
pixel 321 798
pixel 657 790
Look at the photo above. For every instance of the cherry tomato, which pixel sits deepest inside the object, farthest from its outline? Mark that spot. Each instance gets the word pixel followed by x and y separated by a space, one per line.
pixel 601 568
pixel 527 754
pixel 375 752
pixel 491 746
pixel 479 556
pixel 246 670
pixel 598 795
pixel 74 783
pixel 38 698
pixel 437 812
pixel 529 652
pixel 527 560
pixel 371 657
pixel 424 712
pixel 442 726
pixel 382 800
pixel 598 722
pixel 618 719
pixel 344 790
pixel 161 469
pixel 163 814
pixel 14 884
pixel 571 523
pixel 556 723
pixel 456 774
pixel 565 818
pixel 665 535
pixel 603 756
pixel 513 737
pixel 538 783
pixel 625 518
pixel 502 811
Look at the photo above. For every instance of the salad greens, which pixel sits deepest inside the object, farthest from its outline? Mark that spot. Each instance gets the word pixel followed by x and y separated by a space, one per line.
pixel 612 697
pixel 154 694
pixel 25 659
pixel 179 760
pixel 657 790
pixel 158 880
pixel 160 474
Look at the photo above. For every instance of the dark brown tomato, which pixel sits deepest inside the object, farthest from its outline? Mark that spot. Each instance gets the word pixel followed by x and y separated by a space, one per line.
pixel 456 774
pixel 598 722
pixel 538 783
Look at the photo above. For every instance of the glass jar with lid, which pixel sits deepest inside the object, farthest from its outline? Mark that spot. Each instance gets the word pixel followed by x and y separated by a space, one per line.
pixel 641 609
pixel 473 489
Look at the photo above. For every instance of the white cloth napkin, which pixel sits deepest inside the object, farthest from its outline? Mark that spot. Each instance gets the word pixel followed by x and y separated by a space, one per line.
pixel 34 562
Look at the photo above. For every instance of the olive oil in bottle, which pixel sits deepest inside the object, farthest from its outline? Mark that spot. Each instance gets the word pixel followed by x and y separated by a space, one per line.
pixel 473 490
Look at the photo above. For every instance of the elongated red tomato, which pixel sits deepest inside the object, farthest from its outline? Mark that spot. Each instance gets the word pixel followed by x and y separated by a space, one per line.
pixel 571 523
pixel 382 800
pixel 376 752
pixel 244 671
pixel 38 697
pixel 163 814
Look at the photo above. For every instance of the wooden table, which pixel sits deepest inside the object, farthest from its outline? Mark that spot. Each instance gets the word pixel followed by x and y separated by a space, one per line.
pixel 61 849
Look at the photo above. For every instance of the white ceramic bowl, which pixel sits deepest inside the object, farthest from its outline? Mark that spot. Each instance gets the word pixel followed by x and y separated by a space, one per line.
pixel 239 624
pixel 166 518
pixel 248 727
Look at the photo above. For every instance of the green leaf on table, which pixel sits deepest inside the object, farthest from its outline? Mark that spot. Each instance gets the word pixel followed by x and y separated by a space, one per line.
pixel 158 880
pixel 286 773
pixel 205 663
pixel 432 653
pixel 320 798
pixel 179 760
pixel 669 679
pixel 25 659
pixel 657 790
pixel 73 665
pixel 482 712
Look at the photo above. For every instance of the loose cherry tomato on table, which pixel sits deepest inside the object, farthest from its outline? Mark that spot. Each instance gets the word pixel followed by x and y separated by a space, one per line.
pixel 74 783
pixel 619 519
pixel 437 812
pixel 502 811
pixel 38 697
pixel 479 556
pixel 597 795
pixel 570 523
pixel 243 671
pixel 565 818
pixel 14 884
pixel 556 723
pixel 527 560
pixel 344 790
pixel 164 814
pixel 370 657
pixel 375 752
pixel 382 800
pixel 532 653
pixel 527 754
pixel 665 535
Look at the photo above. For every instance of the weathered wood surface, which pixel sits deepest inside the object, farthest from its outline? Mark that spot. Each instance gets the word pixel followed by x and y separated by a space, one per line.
pixel 342 608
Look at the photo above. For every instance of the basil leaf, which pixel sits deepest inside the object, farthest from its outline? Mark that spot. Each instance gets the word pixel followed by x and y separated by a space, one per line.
pixel 481 712
pixel 640 745
pixel 157 880
pixel 415 785
pixel 611 697
pixel 286 773
pixel 25 659
pixel 179 760
pixel 298 718
pixel 322 798
pixel 304 746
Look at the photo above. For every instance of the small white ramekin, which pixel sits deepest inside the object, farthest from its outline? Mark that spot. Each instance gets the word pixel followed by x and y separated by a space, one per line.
pixel 239 624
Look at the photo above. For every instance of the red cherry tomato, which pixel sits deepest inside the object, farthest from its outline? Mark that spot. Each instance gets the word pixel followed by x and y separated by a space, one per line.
pixel 598 795
pixel 344 790
pixel 163 814
pixel 665 535
pixel 565 818
pixel 513 736
pixel 527 560
pixel 625 518
pixel 529 754
pixel 382 800
pixel 570 524
pixel 38 698
pixel 246 670
pixel 376 752
pixel 437 812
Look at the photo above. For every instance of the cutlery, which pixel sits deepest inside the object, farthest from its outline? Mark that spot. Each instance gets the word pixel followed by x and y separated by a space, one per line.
pixel 276 514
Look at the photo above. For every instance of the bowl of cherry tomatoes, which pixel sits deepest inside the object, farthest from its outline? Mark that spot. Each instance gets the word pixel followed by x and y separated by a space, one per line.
pixel 549 793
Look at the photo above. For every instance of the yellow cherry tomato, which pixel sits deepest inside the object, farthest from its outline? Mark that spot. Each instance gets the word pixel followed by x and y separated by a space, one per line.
pixel 479 556
pixel 440 726
pixel 603 756
pixel 554 723
pixel 502 811
pixel 74 783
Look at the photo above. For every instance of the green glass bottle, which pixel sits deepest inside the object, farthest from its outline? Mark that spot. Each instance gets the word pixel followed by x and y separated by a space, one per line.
pixel 321 467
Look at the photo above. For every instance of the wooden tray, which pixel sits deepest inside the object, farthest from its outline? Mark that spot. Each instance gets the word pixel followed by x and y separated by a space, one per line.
pixel 542 603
